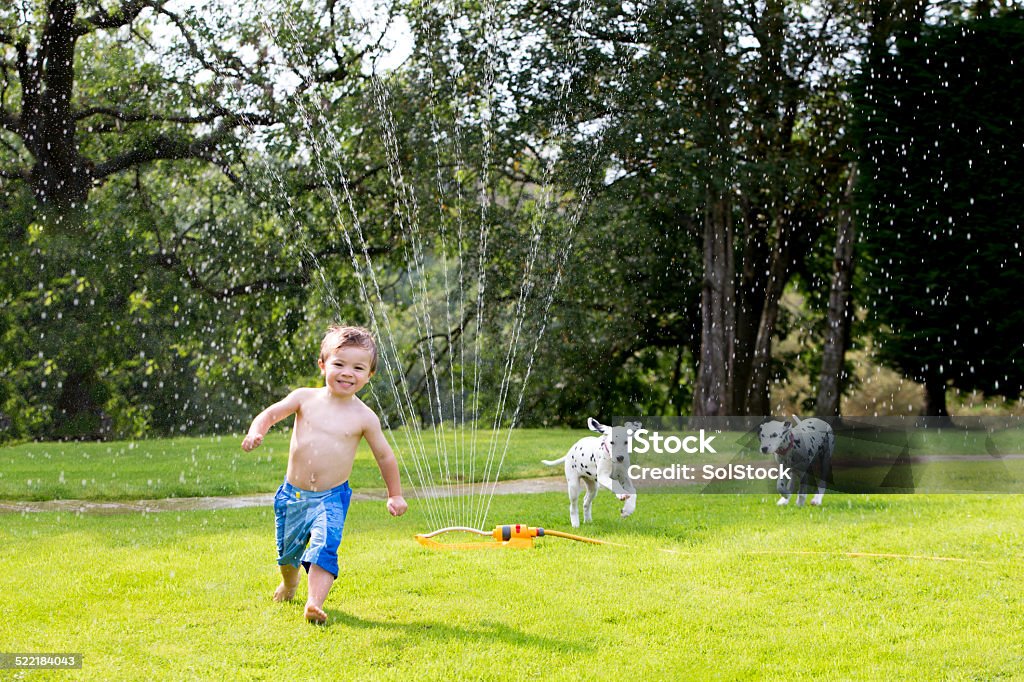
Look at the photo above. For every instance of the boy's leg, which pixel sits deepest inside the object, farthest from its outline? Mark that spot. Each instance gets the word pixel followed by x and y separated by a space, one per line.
pixel 291 535
pixel 321 558
pixel 289 581
pixel 320 582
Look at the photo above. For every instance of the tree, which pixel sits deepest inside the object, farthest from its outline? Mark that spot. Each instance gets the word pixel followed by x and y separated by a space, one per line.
pixel 943 243
pixel 158 116
pixel 729 113
pixel 161 236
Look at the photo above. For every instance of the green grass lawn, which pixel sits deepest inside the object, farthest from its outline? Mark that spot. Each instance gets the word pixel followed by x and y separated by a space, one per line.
pixel 192 467
pixel 187 595
pixel 719 586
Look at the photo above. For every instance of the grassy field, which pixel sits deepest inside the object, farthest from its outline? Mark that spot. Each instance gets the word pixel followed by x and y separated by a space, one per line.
pixel 748 591
pixel 706 587
pixel 192 467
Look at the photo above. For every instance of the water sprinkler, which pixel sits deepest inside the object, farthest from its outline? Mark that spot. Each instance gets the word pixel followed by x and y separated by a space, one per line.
pixel 515 535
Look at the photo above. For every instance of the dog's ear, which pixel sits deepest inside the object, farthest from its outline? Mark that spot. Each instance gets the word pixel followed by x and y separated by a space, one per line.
pixel 595 425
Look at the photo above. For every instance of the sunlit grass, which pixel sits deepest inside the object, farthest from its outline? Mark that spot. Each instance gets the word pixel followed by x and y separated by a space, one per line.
pixel 192 467
pixel 186 595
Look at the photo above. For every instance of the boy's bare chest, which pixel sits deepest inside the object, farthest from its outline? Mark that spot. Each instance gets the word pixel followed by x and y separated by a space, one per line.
pixel 319 421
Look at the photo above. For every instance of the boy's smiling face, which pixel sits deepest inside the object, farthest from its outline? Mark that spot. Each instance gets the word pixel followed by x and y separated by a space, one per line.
pixel 346 370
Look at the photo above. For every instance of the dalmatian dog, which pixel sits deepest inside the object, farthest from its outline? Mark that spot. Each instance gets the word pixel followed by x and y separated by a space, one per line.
pixel 800 446
pixel 600 460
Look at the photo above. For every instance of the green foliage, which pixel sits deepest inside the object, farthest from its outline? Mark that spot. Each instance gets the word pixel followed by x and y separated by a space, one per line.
pixel 617 97
pixel 191 286
pixel 941 141
pixel 235 167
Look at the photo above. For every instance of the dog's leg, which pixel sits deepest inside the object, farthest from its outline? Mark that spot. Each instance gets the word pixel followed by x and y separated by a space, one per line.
pixel 574 500
pixel 805 478
pixel 588 499
pixel 629 498
pixel 607 482
pixel 784 486
pixel 826 474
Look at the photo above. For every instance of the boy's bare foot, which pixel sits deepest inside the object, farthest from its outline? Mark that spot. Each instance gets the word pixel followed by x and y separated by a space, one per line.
pixel 314 614
pixel 285 592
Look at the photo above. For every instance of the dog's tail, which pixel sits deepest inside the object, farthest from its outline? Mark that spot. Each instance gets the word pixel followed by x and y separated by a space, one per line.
pixel 553 463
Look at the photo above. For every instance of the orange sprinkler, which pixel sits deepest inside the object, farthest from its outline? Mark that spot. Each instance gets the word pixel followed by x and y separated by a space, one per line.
pixel 509 535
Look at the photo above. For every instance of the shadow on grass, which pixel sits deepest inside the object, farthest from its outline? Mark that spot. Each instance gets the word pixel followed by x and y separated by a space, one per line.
pixel 692 521
pixel 444 632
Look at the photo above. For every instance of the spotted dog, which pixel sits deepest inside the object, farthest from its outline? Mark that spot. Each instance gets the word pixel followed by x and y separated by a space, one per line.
pixel 597 460
pixel 800 446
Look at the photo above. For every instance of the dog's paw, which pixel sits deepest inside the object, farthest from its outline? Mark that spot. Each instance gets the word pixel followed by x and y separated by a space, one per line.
pixel 815 501
pixel 625 513
pixel 783 501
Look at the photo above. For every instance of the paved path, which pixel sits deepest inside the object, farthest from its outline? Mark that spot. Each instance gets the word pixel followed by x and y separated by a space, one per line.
pixel 526 485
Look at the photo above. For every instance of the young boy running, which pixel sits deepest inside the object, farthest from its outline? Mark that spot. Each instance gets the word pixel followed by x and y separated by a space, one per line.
pixel 311 505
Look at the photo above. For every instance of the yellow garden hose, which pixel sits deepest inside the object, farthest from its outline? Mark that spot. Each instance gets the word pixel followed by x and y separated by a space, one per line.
pixel 519 536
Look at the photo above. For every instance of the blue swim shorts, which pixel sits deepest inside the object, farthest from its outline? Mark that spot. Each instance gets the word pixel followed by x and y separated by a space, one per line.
pixel 309 525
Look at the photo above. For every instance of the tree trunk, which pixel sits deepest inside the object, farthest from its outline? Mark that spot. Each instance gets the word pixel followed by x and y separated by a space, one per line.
pixel 718 322
pixel 935 397
pixel 79 407
pixel 757 389
pixel 714 394
pixel 60 176
pixel 830 385
pixel 750 295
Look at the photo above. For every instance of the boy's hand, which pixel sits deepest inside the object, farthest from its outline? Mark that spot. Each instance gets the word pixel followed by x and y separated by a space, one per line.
pixel 397 505
pixel 251 442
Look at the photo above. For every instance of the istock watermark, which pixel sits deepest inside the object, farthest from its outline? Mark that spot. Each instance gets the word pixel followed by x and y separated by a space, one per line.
pixel 883 455
pixel 642 441
pixel 708 473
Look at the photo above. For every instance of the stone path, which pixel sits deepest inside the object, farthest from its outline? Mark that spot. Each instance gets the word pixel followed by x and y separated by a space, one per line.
pixel 526 485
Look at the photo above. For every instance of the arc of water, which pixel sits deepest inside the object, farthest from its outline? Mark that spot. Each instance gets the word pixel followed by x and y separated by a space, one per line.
pixel 458 416
pixel 326 286
pixel 385 334
pixel 583 202
pixel 404 403
pixel 409 222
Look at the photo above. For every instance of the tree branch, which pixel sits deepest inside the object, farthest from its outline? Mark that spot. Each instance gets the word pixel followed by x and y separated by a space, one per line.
pixel 171 261
pixel 193 48
pixel 164 147
pixel 29 79
pixel 127 13
pixel 132 117
pixel 10 121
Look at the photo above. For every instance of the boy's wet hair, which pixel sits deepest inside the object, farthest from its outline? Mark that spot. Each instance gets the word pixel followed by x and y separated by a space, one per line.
pixel 345 337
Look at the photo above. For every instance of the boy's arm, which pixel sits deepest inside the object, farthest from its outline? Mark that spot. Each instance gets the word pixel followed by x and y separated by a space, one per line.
pixel 388 465
pixel 268 417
